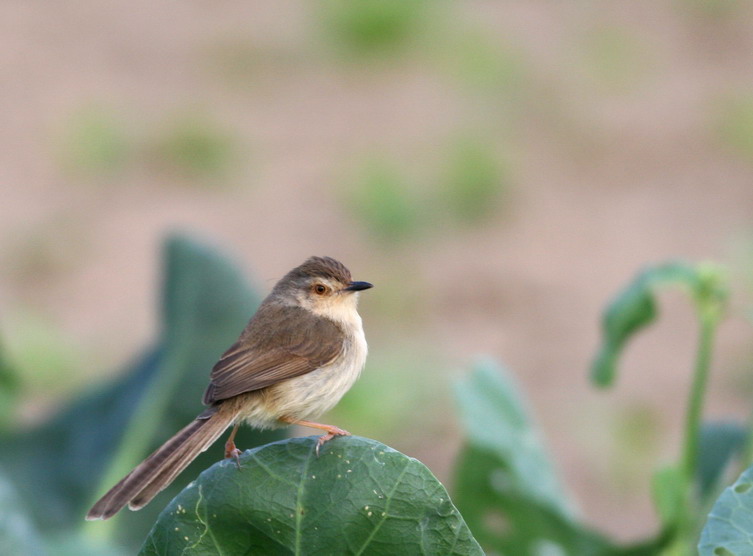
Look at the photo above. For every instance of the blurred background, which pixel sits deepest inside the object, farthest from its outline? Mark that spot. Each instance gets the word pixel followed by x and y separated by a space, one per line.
pixel 497 169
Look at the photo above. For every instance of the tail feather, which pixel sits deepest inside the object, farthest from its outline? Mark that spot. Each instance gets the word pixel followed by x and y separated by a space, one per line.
pixel 158 470
pixel 179 460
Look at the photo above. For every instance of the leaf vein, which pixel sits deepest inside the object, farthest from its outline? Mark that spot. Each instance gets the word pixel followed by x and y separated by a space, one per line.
pixel 271 473
pixel 299 496
pixel 387 501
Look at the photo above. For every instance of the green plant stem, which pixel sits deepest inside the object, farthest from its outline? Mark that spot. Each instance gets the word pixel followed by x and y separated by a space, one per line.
pixel 746 458
pixel 687 517
pixel 697 393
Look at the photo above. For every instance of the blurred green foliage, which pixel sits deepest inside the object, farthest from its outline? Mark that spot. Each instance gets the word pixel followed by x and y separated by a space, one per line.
pixel 404 379
pixel 636 307
pixel 191 145
pixel 473 58
pixel 734 124
pixel 506 487
pixel 717 9
pixel 384 200
pixel 474 180
pixel 9 391
pixel 721 442
pixel 17 533
pixel 636 439
pixel 43 357
pixel 196 146
pixel 470 186
pixel 44 252
pixel 505 484
pixel 372 27
pixel 615 58
pixel 94 143
pixel 62 465
pixel 682 490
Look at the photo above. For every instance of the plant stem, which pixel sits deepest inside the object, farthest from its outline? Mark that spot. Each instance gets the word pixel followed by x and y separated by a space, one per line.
pixel 697 393
pixel 689 463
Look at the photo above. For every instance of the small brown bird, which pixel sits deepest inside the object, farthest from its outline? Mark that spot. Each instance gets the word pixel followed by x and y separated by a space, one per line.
pixel 298 355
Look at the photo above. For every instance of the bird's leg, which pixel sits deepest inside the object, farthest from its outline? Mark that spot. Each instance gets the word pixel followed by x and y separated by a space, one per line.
pixel 331 430
pixel 230 450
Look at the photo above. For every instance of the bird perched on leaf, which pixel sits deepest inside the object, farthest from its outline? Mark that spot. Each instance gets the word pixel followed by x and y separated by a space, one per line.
pixel 298 355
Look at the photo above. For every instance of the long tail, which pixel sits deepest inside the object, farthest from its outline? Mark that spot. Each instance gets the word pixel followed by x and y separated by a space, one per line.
pixel 158 470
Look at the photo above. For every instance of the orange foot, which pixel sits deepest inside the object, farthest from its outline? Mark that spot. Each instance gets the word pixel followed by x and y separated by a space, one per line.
pixel 231 451
pixel 331 433
pixel 331 430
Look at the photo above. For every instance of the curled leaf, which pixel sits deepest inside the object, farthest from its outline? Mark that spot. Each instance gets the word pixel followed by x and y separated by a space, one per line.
pixel 634 308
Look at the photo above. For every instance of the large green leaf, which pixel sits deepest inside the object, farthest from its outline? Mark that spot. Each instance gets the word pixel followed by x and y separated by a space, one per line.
pixel 729 529
pixel 17 534
pixel 59 466
pixel 505 484
pixel 496 422
pixel 357 497
pixel 634 308
pixel 507 520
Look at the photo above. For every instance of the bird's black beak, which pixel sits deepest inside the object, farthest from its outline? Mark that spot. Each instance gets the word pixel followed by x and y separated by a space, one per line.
pixel 358 286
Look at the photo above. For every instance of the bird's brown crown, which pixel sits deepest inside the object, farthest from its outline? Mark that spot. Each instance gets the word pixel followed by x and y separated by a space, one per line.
pixel 320 267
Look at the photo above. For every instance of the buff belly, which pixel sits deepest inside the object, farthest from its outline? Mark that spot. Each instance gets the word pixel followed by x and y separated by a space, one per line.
pixel 308 396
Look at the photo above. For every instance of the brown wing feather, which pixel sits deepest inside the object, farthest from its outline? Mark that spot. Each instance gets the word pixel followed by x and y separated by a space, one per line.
pixel 296 344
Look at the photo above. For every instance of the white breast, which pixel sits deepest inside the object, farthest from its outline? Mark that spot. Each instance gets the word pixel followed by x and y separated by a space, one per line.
pixel 309 396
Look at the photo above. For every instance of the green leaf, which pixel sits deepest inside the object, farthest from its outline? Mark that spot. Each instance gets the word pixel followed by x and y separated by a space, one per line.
pixel 668 489
pixel 59 466
pixel 720 443
pixel 74 543
pixel 506 519
pixel 18 536
pixel 495 421
pixel 634 308
pixel 357 497
pixel 729 529
pixel 505 485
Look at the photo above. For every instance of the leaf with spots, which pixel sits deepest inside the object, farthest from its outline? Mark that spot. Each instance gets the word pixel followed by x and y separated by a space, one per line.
pixel 357 497
pixel 729 529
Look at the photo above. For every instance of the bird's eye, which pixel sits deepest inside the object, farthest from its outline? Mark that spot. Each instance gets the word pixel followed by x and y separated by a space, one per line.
pixel 320 289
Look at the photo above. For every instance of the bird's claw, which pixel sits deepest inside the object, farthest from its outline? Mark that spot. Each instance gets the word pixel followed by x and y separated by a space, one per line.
pixel 331 433
pixel 232 452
